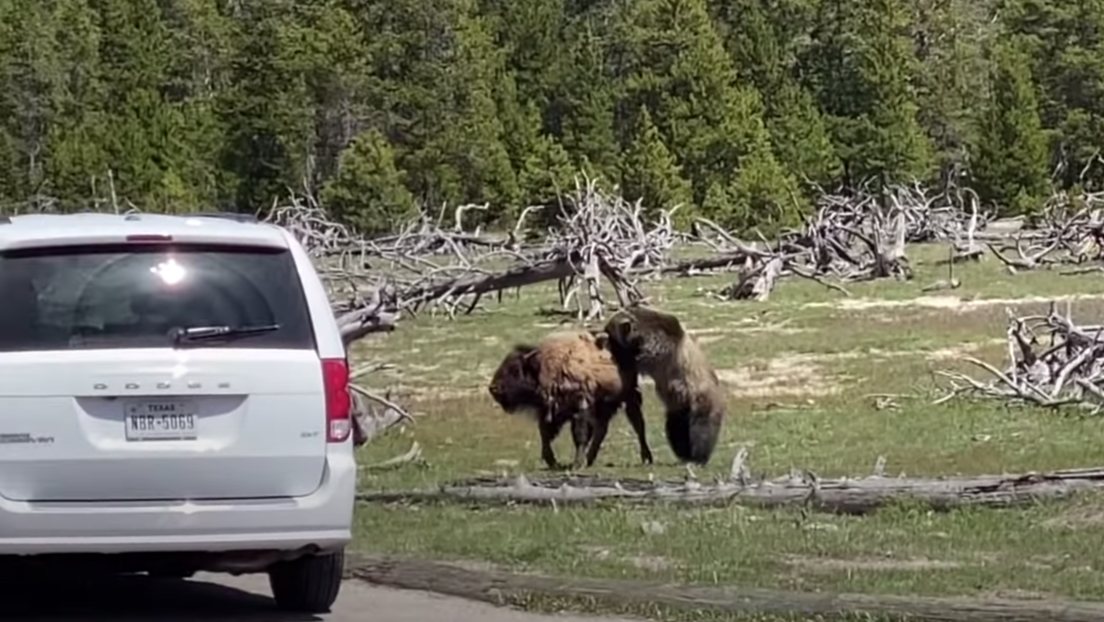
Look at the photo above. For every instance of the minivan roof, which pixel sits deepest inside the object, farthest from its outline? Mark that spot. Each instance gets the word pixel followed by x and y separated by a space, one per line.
pixel 43 230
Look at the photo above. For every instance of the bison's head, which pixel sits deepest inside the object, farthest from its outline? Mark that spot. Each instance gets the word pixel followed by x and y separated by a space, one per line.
pixel 514 384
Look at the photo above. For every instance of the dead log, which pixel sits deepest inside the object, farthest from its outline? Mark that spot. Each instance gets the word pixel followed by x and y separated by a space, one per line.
pixel 478 283
pixel 842 496
pixel 1026 260
pixel 689 267
pixel 755 281
pixel 500 587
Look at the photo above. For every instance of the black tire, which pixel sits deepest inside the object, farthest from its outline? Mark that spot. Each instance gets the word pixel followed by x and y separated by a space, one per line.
pixel 309 584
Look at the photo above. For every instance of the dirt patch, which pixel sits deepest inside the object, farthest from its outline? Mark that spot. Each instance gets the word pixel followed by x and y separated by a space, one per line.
pixel 416 367
pixel 421 393
pixel 651 563
pixel 770 329
pixel 748 326
pixel 698 332
pixel 952 303
pixel 709 335
pixel 477 565
pixel 805 359
pixel 563 325
pixel 957 352
pixel 794 374
pixel 782 375
pixel 830 564
pixel 1016 594
pixel 1076 518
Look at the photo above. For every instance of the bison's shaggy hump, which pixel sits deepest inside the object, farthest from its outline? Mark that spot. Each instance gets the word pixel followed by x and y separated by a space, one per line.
pixel 566 376
pixel 575 372
pixel 654 343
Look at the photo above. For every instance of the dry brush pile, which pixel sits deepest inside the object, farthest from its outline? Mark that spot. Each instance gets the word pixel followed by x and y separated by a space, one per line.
pixel 863 234
pixel 429 266
pixel 1069 230
pixel 854 235
pixel 1052 362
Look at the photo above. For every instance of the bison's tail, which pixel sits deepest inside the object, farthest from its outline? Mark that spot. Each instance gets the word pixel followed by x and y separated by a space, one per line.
pixel 693 434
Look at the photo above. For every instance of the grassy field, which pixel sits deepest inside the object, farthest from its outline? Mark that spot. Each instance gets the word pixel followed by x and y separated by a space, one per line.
pixel 800 369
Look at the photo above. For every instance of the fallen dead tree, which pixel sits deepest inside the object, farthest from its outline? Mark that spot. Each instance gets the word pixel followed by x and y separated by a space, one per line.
pixel 1053 362
pixel 858 237
pixel 862 234
pixel 804 489
pixel 858 234
pixel 500 587
pixel 1068 230
pixel 373 282
pixel 604 236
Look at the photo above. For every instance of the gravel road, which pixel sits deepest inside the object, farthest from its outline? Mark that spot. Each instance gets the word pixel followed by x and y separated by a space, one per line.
pixel 222 598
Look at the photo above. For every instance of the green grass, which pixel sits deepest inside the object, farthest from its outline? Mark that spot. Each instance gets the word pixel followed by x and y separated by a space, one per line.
pixel 800 369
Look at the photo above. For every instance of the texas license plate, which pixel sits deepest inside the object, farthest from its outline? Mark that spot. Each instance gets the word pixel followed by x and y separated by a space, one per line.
pixel 160 420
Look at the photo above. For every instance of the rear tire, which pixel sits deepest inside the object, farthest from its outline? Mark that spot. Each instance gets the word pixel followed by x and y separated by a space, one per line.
pixel 309 584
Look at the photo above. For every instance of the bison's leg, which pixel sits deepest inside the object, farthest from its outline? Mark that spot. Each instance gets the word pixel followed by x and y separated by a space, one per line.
pixel 581 430
pixel 549 429
pixel 634 412
pixel 601 426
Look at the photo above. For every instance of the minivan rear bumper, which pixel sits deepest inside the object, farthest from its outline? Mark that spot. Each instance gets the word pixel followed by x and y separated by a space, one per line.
pixel 323 519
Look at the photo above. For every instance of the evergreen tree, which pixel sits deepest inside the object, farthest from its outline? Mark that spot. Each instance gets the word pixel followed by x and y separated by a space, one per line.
pixel 323 52
pixel 436 69
pixel 266 109
pixel 199 44
pixel 678 68
pixel 863 65
pixel 78 164
pixel 368 192
pixel 760 38
pixel 1011 164
pixel 649 171
pixel 530 34
pixel 192 103
pixel 1064 42
pixel 952 79
pixel 587 104
pixel 547 172
pixel 28 73
pixel 143 144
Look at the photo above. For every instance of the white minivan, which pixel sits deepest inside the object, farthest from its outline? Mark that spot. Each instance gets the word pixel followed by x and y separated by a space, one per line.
pixel 173 399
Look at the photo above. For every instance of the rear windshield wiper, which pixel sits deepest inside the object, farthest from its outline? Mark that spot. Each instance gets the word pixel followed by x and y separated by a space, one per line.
pixel 205 333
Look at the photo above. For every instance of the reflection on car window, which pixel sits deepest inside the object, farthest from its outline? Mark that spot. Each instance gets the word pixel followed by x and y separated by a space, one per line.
pixel 132 297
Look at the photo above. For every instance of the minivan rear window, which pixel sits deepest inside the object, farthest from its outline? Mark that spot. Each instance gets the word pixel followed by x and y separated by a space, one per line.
pixel 138 296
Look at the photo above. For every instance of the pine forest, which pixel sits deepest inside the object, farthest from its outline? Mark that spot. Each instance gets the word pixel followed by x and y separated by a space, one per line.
pixel 737 109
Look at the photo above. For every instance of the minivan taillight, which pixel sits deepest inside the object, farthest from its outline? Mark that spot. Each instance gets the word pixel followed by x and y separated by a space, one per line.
pixel 335 377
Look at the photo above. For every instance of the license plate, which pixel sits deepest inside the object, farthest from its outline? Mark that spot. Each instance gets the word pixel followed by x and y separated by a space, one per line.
pixel 161 420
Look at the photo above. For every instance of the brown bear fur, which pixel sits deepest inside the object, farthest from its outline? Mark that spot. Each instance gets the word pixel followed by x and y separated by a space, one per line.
pixel 567 376
pixel 651 342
